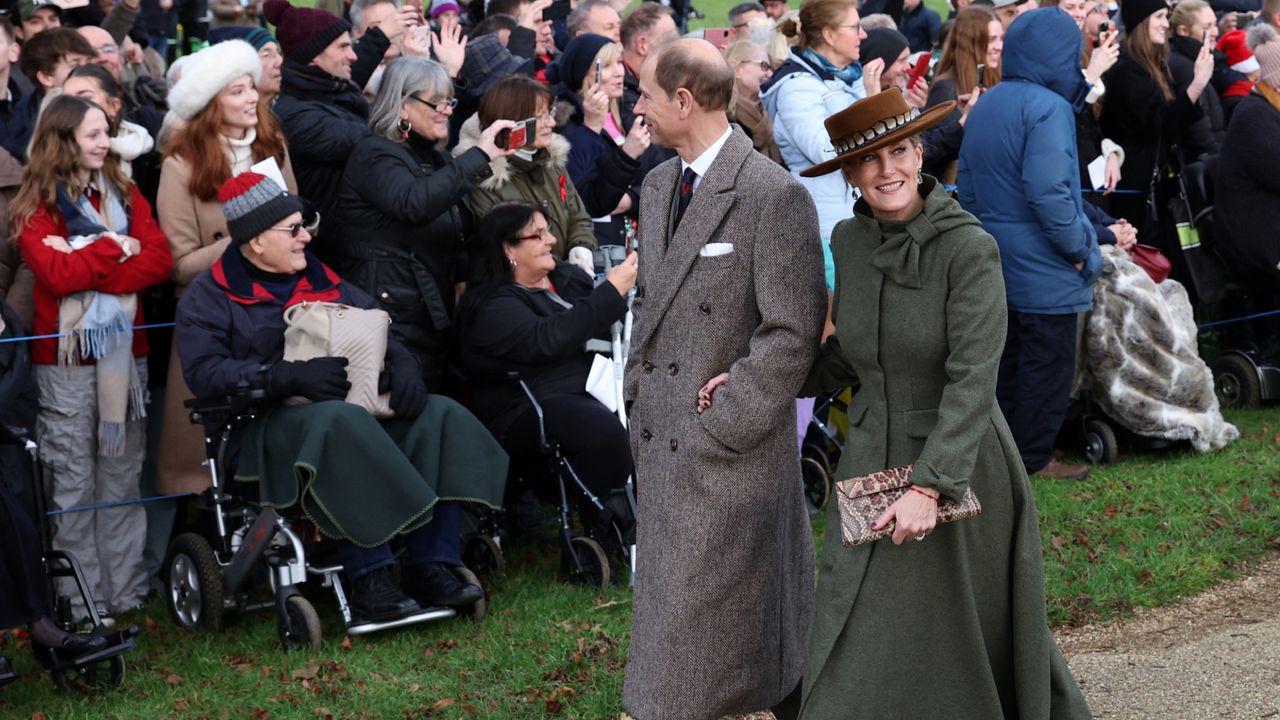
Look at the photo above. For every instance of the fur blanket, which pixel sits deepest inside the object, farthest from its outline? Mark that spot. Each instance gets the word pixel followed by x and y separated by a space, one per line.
pixel 1140 362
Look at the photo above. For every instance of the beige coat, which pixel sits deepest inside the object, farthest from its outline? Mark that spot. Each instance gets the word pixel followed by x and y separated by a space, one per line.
pixel 197 233
pixel 725 581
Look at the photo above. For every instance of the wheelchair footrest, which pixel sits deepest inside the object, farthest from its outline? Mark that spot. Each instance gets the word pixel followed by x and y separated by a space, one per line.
pixel 436 613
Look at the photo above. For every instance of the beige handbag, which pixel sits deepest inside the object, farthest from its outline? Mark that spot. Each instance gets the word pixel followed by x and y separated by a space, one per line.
pixel 325 329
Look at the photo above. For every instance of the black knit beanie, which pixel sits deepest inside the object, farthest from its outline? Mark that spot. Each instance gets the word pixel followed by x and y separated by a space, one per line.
pixel 883 43
pixel 1133 12
pixel 576 60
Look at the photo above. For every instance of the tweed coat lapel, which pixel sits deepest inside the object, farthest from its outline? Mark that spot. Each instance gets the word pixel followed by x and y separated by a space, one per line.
pixel 711 202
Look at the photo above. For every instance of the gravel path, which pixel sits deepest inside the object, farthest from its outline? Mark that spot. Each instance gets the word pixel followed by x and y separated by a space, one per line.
pixel 1215 656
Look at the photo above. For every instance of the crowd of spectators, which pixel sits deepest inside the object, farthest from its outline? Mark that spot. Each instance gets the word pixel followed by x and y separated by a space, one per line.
pixel 391 127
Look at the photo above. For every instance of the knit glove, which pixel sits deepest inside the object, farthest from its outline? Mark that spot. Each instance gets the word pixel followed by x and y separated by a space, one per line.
pixel 403 379
pixel 318 379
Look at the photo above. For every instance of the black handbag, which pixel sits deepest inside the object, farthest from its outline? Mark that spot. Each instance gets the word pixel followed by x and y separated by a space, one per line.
pixel 1191 209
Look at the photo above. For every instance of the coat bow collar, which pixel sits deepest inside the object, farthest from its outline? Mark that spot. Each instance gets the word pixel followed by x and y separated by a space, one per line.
pixel 897 254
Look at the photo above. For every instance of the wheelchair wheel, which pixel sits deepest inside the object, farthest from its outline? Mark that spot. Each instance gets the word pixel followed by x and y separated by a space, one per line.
pixel 193 582
pixel 90 679
pixel 817 454
pixel 594 561
pixel 817 484
pixel 482 555
pixel 478 611
pixel 1100 445
pixel 306 632
pixel 1236 382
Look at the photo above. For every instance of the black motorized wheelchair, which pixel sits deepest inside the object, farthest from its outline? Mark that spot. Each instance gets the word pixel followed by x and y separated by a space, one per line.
pixel 244 544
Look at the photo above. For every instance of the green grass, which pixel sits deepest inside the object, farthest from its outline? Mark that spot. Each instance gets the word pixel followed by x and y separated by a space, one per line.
pixel 1143 532
pixel 1161 525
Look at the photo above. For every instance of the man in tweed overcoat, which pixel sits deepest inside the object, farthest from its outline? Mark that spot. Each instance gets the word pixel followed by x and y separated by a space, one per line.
pixel 733 283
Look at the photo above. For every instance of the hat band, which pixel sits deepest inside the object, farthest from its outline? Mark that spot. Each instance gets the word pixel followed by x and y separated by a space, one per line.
pixel 859 138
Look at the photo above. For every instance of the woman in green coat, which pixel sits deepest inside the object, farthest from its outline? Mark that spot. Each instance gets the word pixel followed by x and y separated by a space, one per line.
pixel 937 621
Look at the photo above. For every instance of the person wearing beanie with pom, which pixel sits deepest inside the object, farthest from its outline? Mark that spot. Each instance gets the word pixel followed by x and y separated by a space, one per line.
pixel 366 480
pixel 1235 81
pixel 400 212
pixel 1247 184
pixel 1146 112
pixel 607 161
pixel 321 107
pixel 225 129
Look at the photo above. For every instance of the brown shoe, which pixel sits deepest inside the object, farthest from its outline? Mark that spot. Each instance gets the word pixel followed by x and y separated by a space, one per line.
pixel 1062 471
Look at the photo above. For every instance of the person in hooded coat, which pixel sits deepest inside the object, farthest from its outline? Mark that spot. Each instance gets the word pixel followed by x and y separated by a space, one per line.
pixel 1019 173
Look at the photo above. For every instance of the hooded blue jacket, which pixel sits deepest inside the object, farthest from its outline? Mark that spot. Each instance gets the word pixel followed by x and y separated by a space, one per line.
pixel 1019 171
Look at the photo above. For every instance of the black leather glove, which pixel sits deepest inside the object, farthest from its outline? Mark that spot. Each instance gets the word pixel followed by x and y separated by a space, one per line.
pixel 403 379
pixel 317 379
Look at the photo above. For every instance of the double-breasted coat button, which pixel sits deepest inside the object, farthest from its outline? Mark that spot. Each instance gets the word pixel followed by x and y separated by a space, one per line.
pixel 645 434
pixel 705 309
pixel 674 445
pixel 648 366
pixel 673 369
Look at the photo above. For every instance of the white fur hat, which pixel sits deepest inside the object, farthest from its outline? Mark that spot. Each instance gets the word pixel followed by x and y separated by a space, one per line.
pixel 207 72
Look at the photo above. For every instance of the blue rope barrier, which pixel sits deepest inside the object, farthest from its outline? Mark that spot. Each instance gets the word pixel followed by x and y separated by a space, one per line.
pixel 54 336
pixel 1254 316
pixel 122 503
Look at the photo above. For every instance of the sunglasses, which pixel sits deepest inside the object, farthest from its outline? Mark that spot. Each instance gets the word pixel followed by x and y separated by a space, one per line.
pixel 294 230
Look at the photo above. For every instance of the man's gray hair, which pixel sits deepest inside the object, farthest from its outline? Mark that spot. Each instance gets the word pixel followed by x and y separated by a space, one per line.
pixel 578 18
pixel 359 6
pixel 403 77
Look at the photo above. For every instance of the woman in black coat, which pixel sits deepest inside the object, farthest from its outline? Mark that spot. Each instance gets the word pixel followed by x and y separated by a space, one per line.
pixel 526 312
pixel 400 205
pixel 1146 112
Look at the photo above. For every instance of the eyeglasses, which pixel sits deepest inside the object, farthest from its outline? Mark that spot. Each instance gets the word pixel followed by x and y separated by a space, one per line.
pixel 108 49
pixel 440 106
pixel 854 27
pixel 294 230
pixel 764 64
pixel 541 234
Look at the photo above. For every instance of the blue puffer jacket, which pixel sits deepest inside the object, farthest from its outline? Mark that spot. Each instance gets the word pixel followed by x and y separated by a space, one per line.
pixel 1019 171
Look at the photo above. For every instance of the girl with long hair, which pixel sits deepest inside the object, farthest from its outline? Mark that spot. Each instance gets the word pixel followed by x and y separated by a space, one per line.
pixel 89 238
pixel 225 130
pixel 976 39
pixel 1146 112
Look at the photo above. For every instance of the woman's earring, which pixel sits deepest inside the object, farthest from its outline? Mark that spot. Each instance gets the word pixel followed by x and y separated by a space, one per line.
pixel 512 261
pixel 919 177
pixel 404 127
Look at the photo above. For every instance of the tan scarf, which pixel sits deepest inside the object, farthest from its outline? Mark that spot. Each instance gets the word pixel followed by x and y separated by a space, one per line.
pixel 1268 93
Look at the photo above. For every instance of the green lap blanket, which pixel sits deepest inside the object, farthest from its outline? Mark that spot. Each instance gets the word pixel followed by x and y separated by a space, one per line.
pixel 365 480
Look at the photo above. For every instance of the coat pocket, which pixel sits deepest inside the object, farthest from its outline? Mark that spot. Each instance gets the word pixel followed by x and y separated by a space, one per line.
pixel 706 263
pixel 919 423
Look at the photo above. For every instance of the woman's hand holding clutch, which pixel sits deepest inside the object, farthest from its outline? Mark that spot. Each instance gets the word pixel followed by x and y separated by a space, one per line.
pixel 915 514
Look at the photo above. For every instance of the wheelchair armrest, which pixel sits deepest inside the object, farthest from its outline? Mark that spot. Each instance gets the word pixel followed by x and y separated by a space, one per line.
pixel 242 402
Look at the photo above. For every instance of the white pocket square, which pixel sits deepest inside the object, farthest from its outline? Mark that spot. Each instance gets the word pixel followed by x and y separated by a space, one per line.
pixel 714 249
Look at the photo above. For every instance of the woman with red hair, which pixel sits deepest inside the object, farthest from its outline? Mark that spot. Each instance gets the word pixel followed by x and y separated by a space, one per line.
pixel 224 131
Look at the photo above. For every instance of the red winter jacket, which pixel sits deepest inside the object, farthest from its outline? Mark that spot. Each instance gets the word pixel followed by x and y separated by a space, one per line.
pixel 96 267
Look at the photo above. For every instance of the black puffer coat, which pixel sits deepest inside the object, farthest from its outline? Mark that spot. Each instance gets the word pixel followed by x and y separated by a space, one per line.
pixel 401 221
pixel 1204 135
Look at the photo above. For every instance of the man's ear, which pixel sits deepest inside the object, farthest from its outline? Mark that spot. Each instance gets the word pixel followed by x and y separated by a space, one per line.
pixel 45 80
pixel 685 99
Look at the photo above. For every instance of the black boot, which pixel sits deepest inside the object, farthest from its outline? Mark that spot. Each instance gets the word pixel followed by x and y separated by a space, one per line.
pixel 435 584
pixel 374 597
pixel 45 633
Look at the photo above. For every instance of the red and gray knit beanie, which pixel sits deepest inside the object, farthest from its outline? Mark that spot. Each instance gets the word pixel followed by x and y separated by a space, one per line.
pixel 254 203
pixel 303 33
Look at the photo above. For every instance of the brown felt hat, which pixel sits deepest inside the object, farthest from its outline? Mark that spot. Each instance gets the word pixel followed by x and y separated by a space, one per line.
pixel 872 123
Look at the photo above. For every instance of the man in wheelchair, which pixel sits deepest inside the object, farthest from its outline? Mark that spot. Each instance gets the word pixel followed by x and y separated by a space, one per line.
pixel 361 481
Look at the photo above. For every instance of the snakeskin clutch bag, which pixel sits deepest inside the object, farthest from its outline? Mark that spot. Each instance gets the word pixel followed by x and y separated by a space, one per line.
pixel 864 499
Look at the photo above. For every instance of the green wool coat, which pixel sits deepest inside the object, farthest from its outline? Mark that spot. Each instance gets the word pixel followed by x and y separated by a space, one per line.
pixel 953 626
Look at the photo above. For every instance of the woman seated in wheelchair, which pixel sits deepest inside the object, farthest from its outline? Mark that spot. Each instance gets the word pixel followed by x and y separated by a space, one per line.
pixel 361 481
pixel 528 313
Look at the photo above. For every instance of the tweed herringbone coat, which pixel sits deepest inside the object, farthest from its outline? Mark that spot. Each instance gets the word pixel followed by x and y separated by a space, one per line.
pixel 725 581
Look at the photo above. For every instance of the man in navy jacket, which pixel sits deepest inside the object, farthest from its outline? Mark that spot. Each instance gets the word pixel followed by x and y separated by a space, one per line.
pixel 1020 175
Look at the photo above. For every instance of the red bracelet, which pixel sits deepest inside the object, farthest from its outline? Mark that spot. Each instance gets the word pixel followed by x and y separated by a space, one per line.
pixel 915 489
